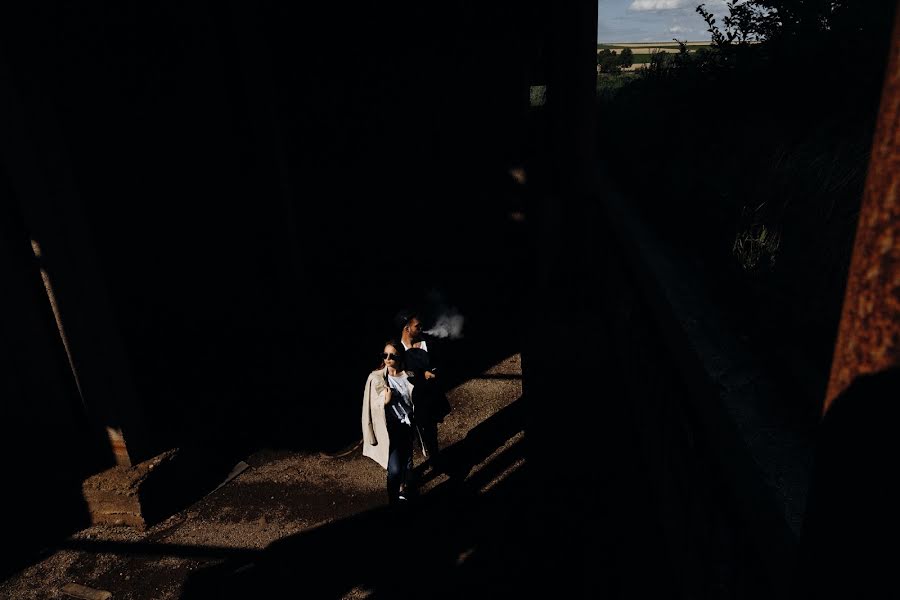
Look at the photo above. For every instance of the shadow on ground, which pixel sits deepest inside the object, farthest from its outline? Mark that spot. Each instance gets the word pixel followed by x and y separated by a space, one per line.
pixel 464 538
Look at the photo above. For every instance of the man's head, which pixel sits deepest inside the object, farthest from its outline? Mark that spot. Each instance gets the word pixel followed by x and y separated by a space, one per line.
pixel 410 324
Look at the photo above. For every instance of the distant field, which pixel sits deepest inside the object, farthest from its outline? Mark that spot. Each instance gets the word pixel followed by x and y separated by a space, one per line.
pixel 643 51
pixel 649 48
pixel 634 45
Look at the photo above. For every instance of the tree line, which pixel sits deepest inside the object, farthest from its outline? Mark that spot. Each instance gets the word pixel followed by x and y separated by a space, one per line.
pixel 610 62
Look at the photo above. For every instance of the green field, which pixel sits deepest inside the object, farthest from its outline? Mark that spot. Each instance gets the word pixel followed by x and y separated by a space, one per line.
pixel 642 53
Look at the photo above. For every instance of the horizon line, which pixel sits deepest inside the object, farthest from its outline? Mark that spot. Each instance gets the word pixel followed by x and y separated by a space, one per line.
pixel 659 42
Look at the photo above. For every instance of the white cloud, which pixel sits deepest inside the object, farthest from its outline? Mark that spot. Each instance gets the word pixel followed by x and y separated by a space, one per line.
pixel 681 29
pixel 657 4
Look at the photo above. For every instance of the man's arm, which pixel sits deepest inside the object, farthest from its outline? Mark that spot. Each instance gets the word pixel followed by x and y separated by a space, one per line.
pixel 434 360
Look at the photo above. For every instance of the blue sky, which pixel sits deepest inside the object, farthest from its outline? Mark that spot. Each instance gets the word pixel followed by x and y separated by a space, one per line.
pixel 654 20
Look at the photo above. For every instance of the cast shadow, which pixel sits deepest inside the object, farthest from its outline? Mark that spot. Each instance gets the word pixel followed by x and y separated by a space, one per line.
pixel 465 538
pixel 851 512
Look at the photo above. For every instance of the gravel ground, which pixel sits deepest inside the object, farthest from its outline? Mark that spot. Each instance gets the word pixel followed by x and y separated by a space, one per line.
pixel 287 496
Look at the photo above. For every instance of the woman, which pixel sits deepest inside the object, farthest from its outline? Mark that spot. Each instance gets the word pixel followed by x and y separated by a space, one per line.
pixel 387 419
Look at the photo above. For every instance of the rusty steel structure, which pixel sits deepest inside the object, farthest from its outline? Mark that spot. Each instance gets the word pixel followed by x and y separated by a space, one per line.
pixel 868 338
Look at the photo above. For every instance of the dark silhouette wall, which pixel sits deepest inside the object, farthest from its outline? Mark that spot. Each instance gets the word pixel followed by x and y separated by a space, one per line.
pixel 47 443
pixel 226 194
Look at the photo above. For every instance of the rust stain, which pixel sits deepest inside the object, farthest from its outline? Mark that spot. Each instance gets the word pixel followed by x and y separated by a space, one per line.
pixel 119 447
pixel 869 332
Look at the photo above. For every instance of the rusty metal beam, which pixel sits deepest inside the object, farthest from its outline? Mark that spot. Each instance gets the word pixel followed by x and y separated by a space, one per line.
pixel 869 332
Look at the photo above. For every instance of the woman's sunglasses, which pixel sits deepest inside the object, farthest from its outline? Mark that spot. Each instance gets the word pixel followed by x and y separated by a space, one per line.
pixel 389 356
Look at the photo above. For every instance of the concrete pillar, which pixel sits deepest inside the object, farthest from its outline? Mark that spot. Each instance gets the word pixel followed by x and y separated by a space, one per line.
pixel 562 409
pixel 563 183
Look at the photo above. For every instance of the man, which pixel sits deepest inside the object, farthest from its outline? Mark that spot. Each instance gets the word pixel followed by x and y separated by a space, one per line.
pixel 431 403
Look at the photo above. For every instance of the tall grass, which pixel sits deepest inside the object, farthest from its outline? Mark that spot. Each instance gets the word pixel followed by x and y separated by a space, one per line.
pixel 609 85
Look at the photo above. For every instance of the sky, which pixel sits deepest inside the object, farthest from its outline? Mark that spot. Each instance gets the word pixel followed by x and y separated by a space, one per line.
pixel 655 20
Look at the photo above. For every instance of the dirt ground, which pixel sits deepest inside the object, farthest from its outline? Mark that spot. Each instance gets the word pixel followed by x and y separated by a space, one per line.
pixel 310 525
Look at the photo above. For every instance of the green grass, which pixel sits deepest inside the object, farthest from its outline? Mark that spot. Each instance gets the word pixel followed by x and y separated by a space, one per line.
pixel 609 85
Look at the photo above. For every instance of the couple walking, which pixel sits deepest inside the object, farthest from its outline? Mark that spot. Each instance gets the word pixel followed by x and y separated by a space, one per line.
pixel 402 405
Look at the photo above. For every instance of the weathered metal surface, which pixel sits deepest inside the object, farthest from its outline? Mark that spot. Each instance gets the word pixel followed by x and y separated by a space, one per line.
pixel 869 333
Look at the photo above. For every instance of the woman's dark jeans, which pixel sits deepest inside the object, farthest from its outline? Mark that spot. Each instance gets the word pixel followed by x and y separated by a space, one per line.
pixel 399 457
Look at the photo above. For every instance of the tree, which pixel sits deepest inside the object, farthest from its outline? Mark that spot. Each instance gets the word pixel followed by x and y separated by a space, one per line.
pixel 757 20
pixel 626 59
pixel 608 61
pixel 746 22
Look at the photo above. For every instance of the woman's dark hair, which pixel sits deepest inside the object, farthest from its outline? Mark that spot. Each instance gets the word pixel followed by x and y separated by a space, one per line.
pixel 401 354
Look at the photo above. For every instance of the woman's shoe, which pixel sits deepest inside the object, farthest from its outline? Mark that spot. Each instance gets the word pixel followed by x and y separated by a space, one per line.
pixel 407 492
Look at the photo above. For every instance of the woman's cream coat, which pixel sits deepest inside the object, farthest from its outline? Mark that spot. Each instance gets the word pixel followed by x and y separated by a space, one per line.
pixel 376 443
